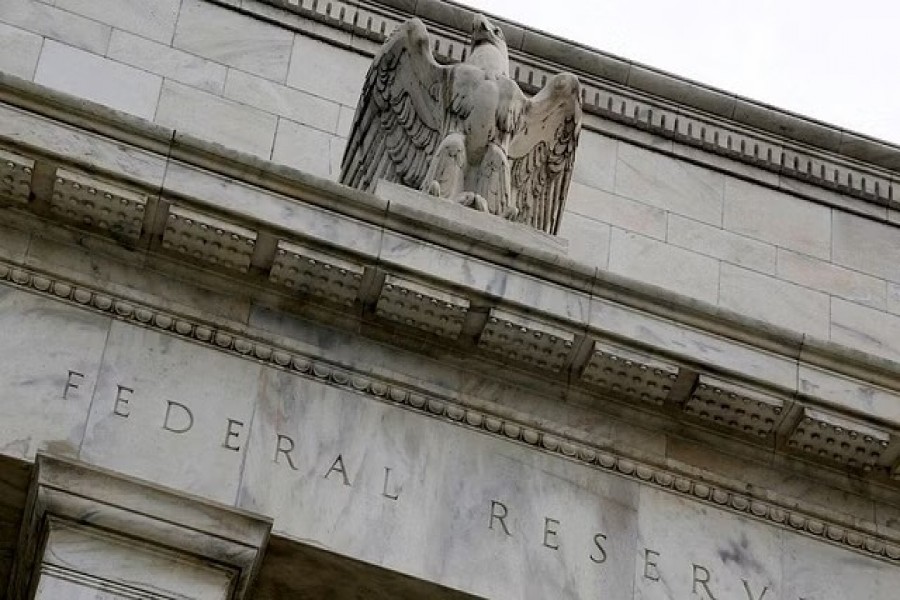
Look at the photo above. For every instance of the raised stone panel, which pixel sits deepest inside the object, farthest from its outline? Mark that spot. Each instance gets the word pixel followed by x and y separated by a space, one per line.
pixel 849 395
pixel 216 119
pixel 15 176
pixel 865 328
pixel 56 24
pixel 838 439
pixel 595 161
pixel 867 246
pixel 522 338
pixel 419 305
pixel 160 402
pixel 616 210
pixel 778 302
pixel 208 238
pixel 154 20
pixel 669 183
pixel 778 218
pixel 234 39
pixel 314 272
pixel 655 262
pixel 96 203
pixel 719 243
pixel 94 78
pixel 52 355
pixel 346 71
pixel 167 62
pixel 748 411
pixel 283 101
pixel 588 239
pixel 832 279
pixel 304 148
pixel 19 51
pixel 632 374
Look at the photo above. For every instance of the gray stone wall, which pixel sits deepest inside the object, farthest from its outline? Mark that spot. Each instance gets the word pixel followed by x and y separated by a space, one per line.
pixel 258 87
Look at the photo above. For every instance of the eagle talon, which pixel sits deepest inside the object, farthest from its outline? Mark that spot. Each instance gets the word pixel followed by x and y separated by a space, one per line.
pixel 472 200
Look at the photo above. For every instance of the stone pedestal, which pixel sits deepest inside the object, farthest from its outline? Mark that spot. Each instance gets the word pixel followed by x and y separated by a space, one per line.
pixel 90 533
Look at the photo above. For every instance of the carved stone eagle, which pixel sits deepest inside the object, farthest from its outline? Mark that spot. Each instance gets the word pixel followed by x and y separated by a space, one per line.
pixel 465 132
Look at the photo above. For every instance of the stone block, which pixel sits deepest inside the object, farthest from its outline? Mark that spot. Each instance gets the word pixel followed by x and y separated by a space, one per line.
pixel 345 121
pixel 777 302
pixel 114 157
pixel 628 373
pixel 660 264
pixel 595 161
pixel 154 20
pixel 160 402
pixel 832 279
pixel 304 148
pixel 52 354
pixel 283 101
pixel 522 338
pixel 748 411
pixel 778 218
pixel 166 61
pixel 234 39
pixel 867 246
pixel 834 438
pixel 893 297
pixel 865 329
pixel 346 71
pixel 19 51
pixel 719 243
pixel 670 184
pixel 616 210
pixel 849 395
pixel 231 124
pixel 100 80
pixel 588 239
pixel 56 24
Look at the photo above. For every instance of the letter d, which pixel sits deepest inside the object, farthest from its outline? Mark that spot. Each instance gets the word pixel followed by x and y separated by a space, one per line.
pixel 188 417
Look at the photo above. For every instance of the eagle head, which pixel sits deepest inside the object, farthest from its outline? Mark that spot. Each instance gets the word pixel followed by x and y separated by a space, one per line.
pixel 489 49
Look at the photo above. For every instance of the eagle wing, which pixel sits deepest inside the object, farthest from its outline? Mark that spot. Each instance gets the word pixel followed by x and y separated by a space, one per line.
pixel 400 117
pixel 542 152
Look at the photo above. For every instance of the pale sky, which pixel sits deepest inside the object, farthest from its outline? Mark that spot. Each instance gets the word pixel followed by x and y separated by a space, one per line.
pixel 836 62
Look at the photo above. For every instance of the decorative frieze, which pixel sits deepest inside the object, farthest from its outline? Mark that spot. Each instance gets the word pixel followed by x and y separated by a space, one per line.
pixel 838 439
pixel 208 239
pixel 15 176
pixel 313 272
pixel 629 373
pixel 526 339
pixel 422 306
pixel 95 203
pixel 739 408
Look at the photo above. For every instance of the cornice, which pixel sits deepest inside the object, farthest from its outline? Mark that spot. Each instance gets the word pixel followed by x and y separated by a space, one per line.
pixel 791 514
pixel 641 98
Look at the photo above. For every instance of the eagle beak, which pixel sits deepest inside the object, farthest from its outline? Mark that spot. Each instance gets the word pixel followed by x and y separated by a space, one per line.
pixel 480 24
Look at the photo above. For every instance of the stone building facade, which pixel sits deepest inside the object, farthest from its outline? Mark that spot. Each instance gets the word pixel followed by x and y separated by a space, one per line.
pixel 225 375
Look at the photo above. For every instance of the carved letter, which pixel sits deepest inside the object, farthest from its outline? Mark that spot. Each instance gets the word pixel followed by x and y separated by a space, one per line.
pixel 602 558
pixel 338 467
pixel 384 492
pixel 550 531
pixel 231 433
pixel 71 385
pixel 698 571
pixel 750 594
pixel 120 407
pixel 187 412
pixel 650 570
pixel 500 517
pixel 286 451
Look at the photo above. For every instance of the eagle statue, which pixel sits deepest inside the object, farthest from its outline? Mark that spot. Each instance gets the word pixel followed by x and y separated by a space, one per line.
pixel 465 132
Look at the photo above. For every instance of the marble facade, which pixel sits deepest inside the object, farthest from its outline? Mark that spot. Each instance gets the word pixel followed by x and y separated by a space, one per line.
pixel 225 375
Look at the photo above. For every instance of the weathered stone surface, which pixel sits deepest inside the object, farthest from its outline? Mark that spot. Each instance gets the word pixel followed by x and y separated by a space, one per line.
pixel 19 51
pixel 867 246
pixel 616 210
pixel 154 20
pixel 215 119
pixel 346 71
pixel 862 327
pixel 107 82
pixel 595 161
pixel 166 61
pixel 56 24
pixel 831 279
pixel 588 239
pixel 304 148
pixel 720 243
